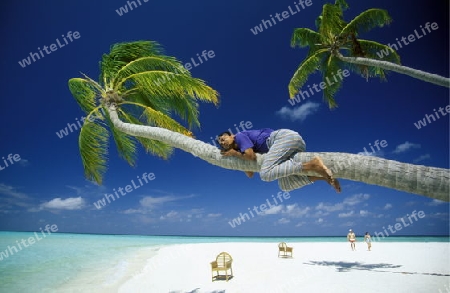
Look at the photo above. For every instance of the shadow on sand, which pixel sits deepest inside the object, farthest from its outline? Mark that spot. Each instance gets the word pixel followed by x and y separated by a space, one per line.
pixel 342 266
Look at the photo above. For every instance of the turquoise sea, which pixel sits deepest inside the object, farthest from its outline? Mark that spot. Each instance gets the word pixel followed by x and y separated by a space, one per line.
pixel 56 259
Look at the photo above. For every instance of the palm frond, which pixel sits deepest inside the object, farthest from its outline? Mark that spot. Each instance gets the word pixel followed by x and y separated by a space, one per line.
pixel 185 107
pixel 379 51
pixel 306 68
pixel 93 144
pixel 376 51
pixel 126 145
pixel 318 21
pixel 303 37
pixel 332 80
pixel 123 53
pixel 160 63
pixel 156 118
pixel 151 146
pixel 341 4
pixel 84 93
pixel 175 83
pixel 331 23
pixel 366 21
pixel 178 94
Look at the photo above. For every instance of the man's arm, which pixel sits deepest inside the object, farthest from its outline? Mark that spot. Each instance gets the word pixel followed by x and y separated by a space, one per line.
pixel 249 154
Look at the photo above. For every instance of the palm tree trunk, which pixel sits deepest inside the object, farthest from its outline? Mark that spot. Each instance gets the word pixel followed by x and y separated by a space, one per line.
pixel 428 181
pixel 418 74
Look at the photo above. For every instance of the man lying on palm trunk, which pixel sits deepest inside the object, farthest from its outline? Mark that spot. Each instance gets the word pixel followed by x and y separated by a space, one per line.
pixel 279 147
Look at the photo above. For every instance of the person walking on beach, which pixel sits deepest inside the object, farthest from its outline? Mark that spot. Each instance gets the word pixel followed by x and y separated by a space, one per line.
pixel 351 237
pixel 280 146
pixel 368 240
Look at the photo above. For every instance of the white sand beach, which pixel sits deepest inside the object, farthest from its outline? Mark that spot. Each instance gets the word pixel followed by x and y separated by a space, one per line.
pixel 315 267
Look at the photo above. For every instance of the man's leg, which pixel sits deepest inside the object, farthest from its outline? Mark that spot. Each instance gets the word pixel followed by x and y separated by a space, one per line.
pixel 293 182
pixel 279 164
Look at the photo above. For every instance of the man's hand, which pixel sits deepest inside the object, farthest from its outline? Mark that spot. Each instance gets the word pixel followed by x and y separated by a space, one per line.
pixel 249 174
pixel 230 153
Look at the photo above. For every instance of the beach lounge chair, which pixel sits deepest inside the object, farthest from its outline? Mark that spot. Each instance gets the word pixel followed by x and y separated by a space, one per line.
pixel 284 250
pixel 222 263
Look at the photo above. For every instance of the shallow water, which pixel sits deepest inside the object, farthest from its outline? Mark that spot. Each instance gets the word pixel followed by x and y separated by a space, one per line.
pixel 61 258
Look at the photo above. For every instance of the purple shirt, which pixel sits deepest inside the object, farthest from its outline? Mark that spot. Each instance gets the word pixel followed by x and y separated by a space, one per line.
pixel 255 139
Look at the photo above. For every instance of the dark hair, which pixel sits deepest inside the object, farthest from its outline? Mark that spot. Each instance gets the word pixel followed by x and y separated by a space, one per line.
pixel 219 136
pixel 225 132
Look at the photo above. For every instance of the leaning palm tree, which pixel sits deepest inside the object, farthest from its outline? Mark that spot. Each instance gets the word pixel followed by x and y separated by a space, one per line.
pixel 134 109
pixel 127 82
pixel 337 45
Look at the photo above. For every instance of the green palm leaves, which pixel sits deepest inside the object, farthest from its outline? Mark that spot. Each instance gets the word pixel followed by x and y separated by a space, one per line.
pixel 130 82
pixel 336 38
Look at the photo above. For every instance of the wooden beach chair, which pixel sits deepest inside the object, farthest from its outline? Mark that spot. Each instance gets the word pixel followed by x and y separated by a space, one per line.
pixel 284 250
pixel 223 262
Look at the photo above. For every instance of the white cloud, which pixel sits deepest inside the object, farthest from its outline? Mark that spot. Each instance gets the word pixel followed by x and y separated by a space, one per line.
pixel 24 162
pixel 319 220
pixel 283 221
pixel 300 224
pixel 387 206
pixel 442 216
pixel 294 210
pixel 11 191
pixel 346 215
pixel 364 213
pixel 298 113
pixel 422 158
pixel 133 211
pixel 170 215
pixel 436 202
pixel 401 148
pixel 151 202
pixel 273 210
pixel 348 224
pixel 71 203
pixel 330 207
pixel 213 215
pixel 345 207
pixel 320 214
pixel 356 199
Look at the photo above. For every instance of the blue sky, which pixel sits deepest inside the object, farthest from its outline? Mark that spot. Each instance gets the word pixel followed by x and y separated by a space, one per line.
pixel 251 72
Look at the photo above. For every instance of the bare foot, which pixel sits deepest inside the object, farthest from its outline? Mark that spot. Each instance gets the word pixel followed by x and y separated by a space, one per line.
pixel 319 167
pixel 336 185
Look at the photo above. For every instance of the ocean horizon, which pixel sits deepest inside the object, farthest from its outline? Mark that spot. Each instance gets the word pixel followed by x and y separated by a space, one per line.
pixel 226 236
